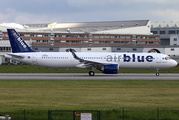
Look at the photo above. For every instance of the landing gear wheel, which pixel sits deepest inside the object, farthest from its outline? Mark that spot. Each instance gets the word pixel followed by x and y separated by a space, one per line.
pixel 91 73
pixel 157 74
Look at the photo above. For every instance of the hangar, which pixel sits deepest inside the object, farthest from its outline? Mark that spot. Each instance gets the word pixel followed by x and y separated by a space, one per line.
pixel 108 36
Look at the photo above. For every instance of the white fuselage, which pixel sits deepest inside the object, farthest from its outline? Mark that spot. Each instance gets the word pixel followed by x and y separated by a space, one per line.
pixel 66 59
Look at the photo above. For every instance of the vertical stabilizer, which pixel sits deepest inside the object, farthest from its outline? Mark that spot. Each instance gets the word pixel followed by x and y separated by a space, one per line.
pixel 17 43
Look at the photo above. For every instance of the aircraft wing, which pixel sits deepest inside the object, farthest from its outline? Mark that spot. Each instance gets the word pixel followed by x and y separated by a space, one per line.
pixel 89 63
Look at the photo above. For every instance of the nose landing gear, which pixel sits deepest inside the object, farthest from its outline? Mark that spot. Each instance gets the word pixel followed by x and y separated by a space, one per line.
pixel 157 73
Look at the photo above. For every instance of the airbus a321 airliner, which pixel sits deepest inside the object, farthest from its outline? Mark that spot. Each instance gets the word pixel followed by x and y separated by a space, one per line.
pixel 108 63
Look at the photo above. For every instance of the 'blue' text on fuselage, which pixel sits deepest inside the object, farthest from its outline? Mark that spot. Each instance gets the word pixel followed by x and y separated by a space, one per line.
pixel 127 58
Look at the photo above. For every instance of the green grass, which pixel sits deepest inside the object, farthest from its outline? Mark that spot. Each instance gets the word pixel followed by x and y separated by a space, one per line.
pixel 139 98
pixel 38 69
pixel 88 94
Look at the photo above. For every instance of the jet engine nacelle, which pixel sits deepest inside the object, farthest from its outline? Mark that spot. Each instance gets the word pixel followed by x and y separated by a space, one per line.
pixel 110 69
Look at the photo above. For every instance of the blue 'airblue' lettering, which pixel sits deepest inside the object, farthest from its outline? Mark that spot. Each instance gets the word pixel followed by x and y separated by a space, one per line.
pixel 127 58
pixel 149 58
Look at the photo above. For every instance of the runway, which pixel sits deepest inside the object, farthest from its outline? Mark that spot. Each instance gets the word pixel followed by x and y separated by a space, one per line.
pixel 85 76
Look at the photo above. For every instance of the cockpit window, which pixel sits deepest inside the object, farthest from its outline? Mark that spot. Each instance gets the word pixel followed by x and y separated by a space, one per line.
pixel 167 58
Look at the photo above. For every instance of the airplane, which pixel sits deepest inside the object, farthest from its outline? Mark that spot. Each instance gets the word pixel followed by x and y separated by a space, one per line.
pixel 108 63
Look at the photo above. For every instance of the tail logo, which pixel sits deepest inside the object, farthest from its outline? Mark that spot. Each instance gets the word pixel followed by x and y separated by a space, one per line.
pixel 19 39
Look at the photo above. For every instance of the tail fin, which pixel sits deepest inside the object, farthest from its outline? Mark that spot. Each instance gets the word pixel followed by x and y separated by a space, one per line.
pixel 17 43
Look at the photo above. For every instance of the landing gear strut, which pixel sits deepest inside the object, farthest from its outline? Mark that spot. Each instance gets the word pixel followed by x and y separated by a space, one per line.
pixel 157 74
pixel 91 73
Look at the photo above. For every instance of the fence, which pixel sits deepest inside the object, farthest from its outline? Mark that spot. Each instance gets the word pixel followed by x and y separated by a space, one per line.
pixel 120 114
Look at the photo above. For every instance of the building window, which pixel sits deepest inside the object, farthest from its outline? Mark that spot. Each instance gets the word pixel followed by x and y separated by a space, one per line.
pixel 175 39
pixel 45 35
pixel 117 37
pixel 22 35
pixel 63 41
pixel 74 41
pixel 101 42
pixel 57 41
pixel 96 36
pixel 51 49
pixel 128 42
pixel 172 49
pixel 134 49
pixel 123 37
pixel 156 42
pixel 142 42
pixel 80 36
pixel 118 42
pixel 101 37
pixel 96 42
pixel 80 41
pixel 33 35
pixel 89 49
pixel 39 41
pixel 45 41
pixel 152 42
pixel 162 32
pixel 123 42
pixel 152 37
pixel 57 36
pixel 172 32
pixel 137 42
pixel 27 35
pixel 128 37
pixel 138 37
pixel 154 32
pixel 112 42
pixel 74 36
pixel 143 37
pixel 112 37
pixel 68 36
pixel 118 48
pixel 63 36
pixel 5 48
pixel 157 38
pixel 85 42
pixel 86 36
pixel 68 41
pixel 107 37
pixel 39 35
pixel 104 48
pixel 107 42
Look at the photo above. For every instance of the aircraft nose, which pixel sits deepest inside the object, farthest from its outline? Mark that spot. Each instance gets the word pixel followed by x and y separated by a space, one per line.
pixel 174 63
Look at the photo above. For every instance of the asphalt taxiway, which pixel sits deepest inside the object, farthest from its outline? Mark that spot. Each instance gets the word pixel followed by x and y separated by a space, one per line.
pixel 85 76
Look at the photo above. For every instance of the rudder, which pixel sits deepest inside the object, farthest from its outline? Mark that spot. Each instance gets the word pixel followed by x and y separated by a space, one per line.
pixel 17 43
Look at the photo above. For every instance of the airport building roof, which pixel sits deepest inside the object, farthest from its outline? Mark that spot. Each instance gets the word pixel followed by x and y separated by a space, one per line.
pixel 106 27
pixel 165 25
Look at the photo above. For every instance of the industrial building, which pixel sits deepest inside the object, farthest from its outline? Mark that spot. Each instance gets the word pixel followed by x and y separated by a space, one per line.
pixel 112 36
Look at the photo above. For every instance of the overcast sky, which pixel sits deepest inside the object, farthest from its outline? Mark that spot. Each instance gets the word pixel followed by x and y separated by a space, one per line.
pixel 48 11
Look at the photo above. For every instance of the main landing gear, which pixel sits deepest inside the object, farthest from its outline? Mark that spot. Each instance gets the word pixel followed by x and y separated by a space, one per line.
pixel 91 73
pixel 157 73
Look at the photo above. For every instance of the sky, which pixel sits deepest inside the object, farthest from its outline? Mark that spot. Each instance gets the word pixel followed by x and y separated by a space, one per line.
pixel 49 11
